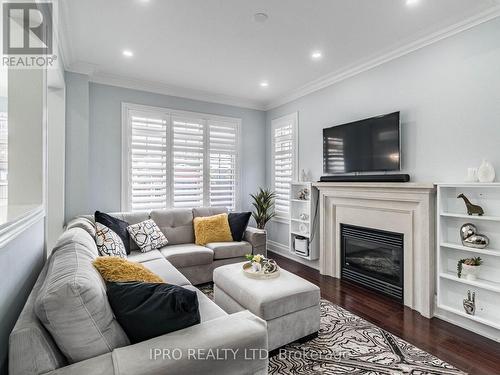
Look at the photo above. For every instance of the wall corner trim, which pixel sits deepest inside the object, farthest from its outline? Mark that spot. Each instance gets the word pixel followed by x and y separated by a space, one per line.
pixel 11 229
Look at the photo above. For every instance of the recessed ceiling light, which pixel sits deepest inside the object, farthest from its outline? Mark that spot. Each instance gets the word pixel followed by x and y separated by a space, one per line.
pixel 260 17
pixel 264 84
pixel 412 2
pixel 127 53
pixel 316 55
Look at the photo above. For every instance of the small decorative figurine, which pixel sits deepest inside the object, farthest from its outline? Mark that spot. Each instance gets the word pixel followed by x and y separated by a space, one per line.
pixel 470 237
pixel 470 303
pixel 472 209
pixel 303 194
pixel 304 217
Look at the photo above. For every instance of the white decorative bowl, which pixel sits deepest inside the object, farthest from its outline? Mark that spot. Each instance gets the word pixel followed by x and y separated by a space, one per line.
pixel 249 271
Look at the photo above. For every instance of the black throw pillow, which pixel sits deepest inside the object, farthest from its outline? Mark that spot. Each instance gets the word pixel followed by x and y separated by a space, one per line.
pixel 147 310
pixel 238 222
pixel 116 225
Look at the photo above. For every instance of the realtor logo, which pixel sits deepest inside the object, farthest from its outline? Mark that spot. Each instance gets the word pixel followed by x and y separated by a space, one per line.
pixel 27 28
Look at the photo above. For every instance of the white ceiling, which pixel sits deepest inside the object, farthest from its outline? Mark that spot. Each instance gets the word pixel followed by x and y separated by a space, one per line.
pixel 195 47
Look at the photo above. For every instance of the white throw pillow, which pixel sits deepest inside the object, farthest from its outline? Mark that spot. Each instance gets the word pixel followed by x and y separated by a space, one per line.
pixel 108 242
pixel 147 235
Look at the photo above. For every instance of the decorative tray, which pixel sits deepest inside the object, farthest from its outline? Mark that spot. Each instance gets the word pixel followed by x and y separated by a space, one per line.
pixel 249 271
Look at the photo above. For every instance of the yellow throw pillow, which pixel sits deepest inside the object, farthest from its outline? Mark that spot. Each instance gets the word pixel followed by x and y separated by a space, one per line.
pixel 117 269
pixel 212 229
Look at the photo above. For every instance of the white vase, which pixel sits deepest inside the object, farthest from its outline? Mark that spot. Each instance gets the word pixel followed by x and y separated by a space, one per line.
pixel 470 272
pixel 486 172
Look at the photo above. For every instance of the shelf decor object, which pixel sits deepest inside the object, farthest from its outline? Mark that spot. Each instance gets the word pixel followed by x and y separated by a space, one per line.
pixel 486 172
pixel 469 267
pixel 472 209
pixel 470 303
pixel 304 219
pixel 466 244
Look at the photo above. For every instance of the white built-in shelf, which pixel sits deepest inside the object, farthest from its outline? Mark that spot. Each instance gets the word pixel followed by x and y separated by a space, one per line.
pixel 299 207
pixel 475 318
pixel 297 233
pixel 471 217
pixel 492 252
pixel 300 221
pixel 451 290
pixel 480 283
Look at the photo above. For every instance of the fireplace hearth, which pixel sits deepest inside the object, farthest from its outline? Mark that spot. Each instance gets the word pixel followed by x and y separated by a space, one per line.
pixel 373 258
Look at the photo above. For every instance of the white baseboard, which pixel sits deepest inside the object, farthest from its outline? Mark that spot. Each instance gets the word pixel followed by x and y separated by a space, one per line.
pixel 475 327
pixel 284 251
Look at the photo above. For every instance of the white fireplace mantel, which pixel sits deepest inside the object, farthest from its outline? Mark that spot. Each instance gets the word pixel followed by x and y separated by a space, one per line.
pixel 407 208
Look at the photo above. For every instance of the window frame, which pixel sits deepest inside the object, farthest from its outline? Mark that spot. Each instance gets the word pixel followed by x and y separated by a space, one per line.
pixel 276 123
pixel 167 114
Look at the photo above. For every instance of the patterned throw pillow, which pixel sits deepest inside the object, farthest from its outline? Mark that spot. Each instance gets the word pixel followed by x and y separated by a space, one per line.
pixel 108 242
pixel 147 235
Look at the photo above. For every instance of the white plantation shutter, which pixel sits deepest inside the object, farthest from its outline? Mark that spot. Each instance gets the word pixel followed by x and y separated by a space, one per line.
pixel 223 147
pixel 284 165
pixel 147 161
pixel 178 159
pixel 188 137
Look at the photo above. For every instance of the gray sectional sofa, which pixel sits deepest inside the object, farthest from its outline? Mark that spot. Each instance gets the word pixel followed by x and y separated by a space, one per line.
pixel 70 289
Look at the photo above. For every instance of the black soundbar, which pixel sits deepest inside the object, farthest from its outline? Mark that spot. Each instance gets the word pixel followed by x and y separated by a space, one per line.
pixel 367 178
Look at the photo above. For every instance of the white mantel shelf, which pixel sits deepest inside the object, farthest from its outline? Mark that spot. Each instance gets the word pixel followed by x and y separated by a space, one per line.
pixel 375 185
pixel 407 208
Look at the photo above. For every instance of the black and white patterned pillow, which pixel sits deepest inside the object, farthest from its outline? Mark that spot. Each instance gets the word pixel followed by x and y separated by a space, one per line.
pixel 147 235
pixel 108 242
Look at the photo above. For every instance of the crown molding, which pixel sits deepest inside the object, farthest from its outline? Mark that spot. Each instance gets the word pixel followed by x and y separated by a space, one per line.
pixel 162 88
pixel 65 49
pixel 343 74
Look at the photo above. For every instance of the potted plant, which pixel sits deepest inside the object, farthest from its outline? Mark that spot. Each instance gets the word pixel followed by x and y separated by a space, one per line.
pixel 263 203
pixel 469 267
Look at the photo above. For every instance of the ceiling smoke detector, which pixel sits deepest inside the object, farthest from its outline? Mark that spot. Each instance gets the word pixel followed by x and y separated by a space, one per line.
pixel 260 17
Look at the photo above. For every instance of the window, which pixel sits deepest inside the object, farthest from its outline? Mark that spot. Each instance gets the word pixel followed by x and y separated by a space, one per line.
pixel 284 161
pixel 178 159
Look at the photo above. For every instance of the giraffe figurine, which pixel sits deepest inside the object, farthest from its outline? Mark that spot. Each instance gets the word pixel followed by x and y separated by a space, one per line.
pixel 472 209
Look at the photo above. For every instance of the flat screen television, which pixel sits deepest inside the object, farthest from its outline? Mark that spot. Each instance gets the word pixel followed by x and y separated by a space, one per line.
pixel 370 145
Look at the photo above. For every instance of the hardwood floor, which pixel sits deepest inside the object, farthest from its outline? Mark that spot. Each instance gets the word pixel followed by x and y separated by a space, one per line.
pixel 465 350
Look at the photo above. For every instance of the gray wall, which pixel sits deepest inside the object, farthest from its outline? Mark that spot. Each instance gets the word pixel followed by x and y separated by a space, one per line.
pixel 94 146
pixel 449 97
pixel 3 104
pixel 20 263
pixel 77 145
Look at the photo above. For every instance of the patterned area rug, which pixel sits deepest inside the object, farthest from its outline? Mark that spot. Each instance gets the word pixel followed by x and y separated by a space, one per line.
pixel 348 344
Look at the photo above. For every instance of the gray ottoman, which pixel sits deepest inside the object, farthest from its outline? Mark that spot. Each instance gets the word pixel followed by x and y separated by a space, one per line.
pixel 288 303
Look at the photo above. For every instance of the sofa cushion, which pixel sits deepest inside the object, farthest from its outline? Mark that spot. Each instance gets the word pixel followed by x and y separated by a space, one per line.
pixel 208 309
pixel 147 310
pixel 137 256
pixel 238 222
pixel 187 255
pixel 224 250
pixel 147 235
pixel 166 271
pixel 84 222
pixel 116 225
pixel 72 303
pixel 212 229
pixel 108 242
pixel 176 225
pixel 208 211
pixel 115 269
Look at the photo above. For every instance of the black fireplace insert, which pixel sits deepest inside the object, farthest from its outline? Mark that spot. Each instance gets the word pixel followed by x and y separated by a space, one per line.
pixel 373 258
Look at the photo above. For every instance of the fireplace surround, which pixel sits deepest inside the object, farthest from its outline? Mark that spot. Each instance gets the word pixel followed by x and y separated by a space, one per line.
pixel 405 208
